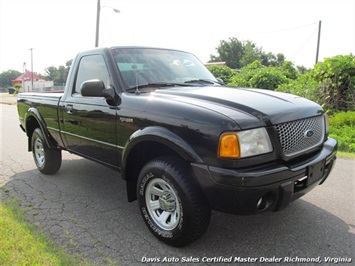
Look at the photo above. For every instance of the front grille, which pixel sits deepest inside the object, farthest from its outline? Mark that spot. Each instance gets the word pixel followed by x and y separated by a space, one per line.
pixel 301 135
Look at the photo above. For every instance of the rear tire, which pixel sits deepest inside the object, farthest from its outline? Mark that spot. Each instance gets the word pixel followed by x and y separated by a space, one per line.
pixel 48 161
pixel 172 205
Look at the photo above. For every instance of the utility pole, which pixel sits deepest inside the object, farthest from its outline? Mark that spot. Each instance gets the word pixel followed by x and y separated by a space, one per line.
pixel 98 20
pixel 97 23
pixel 31 68
pixel 319 28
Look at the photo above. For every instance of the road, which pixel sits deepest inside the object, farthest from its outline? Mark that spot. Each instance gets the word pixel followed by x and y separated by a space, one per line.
pixel 84 208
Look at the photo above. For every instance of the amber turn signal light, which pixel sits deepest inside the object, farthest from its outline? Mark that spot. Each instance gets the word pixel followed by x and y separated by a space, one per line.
pixel 229 146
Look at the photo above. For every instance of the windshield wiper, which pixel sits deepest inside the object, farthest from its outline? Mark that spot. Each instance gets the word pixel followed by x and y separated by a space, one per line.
pixel 204 81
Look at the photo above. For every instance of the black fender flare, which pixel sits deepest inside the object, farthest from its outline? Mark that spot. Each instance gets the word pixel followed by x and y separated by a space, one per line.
pixel 160 135
pixel 33 113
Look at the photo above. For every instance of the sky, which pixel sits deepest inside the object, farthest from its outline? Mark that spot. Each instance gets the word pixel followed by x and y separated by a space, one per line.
pixel 58 29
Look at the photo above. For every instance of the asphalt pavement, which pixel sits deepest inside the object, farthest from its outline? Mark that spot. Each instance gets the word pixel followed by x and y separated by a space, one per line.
pixel 84 209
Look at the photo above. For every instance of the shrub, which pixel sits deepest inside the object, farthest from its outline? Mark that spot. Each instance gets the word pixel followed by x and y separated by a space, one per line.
pixel 342 128
pixel 305 86
pixel 268 78
pixel 18 88
pixel 331 84
pixel 245 74
pixel 336 77
pixel 255 75
pixel 223 72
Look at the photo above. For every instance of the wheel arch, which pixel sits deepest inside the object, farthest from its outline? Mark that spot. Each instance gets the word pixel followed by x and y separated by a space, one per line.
pixel 35 120
pixel 145 145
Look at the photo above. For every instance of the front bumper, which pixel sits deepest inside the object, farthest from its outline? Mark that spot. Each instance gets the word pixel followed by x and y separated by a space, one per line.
pixel 267 188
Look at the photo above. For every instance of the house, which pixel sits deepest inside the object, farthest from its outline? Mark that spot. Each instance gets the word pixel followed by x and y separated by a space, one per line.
pixel 25 80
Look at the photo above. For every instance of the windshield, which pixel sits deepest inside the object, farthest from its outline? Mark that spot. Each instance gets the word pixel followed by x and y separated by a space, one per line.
pixel 141 66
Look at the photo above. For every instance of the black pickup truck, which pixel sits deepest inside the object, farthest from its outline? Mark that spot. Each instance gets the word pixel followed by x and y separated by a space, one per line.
pixel 183 141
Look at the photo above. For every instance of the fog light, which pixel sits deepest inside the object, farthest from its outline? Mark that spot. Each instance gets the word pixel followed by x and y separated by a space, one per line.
pixel 264 203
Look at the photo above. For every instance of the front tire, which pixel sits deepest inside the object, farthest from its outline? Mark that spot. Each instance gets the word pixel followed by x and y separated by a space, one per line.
pixel 48 161
pixel 172 205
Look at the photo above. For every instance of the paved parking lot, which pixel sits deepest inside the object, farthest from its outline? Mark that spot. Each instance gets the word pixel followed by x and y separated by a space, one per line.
pixel 84 208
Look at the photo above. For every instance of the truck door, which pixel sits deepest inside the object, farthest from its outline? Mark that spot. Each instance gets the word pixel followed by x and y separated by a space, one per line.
pixel 89 124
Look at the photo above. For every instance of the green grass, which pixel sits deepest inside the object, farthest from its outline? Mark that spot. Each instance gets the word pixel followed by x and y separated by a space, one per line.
pixel 23 244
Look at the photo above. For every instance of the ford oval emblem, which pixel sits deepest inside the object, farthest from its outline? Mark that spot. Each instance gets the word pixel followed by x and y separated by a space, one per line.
pixel 309 133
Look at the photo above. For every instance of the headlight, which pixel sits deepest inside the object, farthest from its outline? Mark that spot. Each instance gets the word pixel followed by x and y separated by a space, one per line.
pixel 244 143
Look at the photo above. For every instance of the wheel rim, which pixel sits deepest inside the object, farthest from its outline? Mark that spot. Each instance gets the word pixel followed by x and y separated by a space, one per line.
pixel 162 204
pixel 39 152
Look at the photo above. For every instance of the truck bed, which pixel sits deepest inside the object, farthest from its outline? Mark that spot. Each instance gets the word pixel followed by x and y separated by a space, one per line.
pixel 46 104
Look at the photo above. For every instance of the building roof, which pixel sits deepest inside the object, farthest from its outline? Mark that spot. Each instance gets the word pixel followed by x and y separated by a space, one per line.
pixel 27 76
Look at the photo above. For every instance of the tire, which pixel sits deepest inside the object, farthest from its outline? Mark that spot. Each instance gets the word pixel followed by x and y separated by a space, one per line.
pixel 48 161
pixel 172 205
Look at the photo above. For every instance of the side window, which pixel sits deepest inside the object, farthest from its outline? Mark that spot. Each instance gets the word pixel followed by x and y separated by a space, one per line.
pixel 91 67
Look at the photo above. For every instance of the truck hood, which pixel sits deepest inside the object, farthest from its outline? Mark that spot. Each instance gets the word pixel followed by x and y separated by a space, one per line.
pixel 247 107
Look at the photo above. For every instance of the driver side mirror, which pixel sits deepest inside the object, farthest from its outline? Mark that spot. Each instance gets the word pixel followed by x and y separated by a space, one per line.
pixel 96 88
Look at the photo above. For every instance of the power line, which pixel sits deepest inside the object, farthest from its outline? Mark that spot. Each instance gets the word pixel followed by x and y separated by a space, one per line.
pixel 278 31
pixel 304 44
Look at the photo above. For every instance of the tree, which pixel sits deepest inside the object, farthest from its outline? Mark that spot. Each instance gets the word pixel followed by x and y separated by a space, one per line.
pixel 238 54
pixel 68 64
pixel 230 51
pixel 289 70
pixel 51 73
pixel 302 70
pixel 58 74
pixel 7 76
pixel 61 75
pixel 250 53
pixel 269 59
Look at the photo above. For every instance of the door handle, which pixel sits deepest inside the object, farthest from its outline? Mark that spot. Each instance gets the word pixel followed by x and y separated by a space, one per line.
pixel 69 109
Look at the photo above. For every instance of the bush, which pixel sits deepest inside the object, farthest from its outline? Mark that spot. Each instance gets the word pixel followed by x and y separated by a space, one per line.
pixel 17 88
pixel 268 78
pixel 342 128
pixel 331 84
pixel 336 77
pixel 245 74
pixel 305 86
pixel 223 72
pixel 255 75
